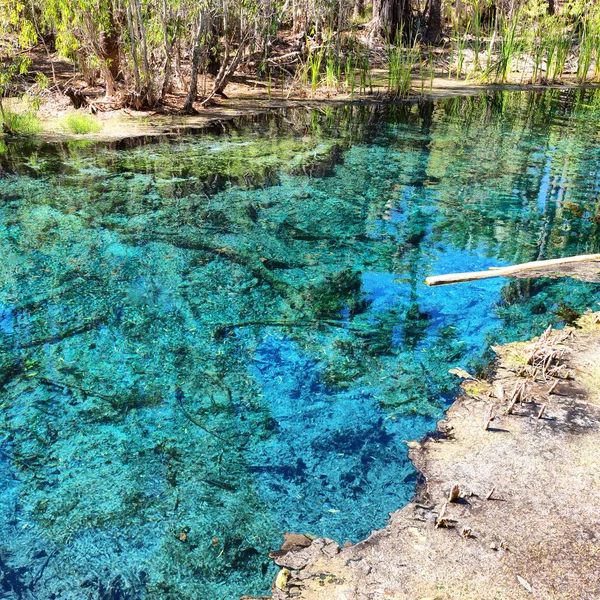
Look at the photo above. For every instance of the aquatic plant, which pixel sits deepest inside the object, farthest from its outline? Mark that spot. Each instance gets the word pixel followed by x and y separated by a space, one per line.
pixel 557 41
pixel 588 45
pixel 401 61
pixel 332 69
pixel 507 47
pixel 315 58
pixel 364 67
pixel 459 41
pixel 477 39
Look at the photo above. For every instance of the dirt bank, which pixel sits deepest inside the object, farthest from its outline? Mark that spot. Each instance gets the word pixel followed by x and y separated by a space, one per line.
pixel 525 523
pixel 243 99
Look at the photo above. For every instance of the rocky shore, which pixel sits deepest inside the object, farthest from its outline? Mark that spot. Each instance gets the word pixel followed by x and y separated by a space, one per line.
pixel 507 506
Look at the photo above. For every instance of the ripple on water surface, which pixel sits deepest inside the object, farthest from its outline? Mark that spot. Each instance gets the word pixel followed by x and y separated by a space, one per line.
pixel 210 341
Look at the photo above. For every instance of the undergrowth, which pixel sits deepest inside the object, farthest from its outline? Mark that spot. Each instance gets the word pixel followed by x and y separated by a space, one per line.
pixel 20 123
pixel 80 124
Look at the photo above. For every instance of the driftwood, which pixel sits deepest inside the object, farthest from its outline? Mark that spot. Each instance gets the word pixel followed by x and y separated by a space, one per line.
pixel 506 271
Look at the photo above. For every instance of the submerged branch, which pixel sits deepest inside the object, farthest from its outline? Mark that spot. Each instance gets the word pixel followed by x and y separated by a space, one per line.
pixel 250 261
pixel 179 398
pixel 222 328
pixel 84 327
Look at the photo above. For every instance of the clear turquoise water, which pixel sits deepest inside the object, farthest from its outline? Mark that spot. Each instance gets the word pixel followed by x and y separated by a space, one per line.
pixel 227 335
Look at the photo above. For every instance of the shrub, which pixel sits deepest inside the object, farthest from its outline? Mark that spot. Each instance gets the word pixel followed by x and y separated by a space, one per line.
pixel 81 124
pixel 21 123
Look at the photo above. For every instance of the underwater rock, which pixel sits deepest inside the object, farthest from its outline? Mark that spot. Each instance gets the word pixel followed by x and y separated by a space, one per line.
pixel 293 541
pixel 299 556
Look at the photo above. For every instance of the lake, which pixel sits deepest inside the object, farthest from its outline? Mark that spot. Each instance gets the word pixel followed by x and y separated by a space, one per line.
pixel 212 339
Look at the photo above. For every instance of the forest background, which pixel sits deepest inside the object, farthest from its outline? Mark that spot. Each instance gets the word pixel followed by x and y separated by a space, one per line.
pixel 147 54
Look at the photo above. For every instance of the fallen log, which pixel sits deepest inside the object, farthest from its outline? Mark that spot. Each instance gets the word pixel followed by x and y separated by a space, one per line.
pixel 506 271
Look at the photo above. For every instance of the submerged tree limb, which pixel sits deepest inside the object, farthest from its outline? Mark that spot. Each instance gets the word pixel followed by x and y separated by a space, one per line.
pixel 250 261
pixel 223 327
pixel 179 396
pixel 87 325
pixel 511 270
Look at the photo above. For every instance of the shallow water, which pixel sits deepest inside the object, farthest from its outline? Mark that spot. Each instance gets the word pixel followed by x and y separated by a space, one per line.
pixel 208 341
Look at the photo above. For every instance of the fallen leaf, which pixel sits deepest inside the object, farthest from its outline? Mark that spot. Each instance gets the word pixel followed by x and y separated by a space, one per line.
pixel 524 583
pixel 461 373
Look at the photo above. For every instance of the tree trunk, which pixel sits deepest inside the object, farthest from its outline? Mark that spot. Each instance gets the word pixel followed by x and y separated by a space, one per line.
pixel 359 9
pixel 109 80
pixel 168 48
pixel 295 20
pixel 227 70
pixel 106 45
pixel 213 56
pixel 144 46
pixel 178 72
pixel 392 17
pixel 136 66
pixel 112 47
pixel 188 107
pixel 551 7
pixel 434 21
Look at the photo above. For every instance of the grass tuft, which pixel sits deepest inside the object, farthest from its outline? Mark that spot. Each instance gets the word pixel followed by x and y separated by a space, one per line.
pixel 21 123
pixel 81 124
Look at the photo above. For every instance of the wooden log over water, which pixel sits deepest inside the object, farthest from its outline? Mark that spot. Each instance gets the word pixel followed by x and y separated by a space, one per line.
pixel 507 271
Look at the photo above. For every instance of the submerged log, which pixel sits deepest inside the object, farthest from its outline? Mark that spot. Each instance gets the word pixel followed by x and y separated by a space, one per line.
pixel 507 271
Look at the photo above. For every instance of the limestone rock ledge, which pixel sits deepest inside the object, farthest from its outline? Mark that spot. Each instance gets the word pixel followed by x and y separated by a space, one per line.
pixel 524 453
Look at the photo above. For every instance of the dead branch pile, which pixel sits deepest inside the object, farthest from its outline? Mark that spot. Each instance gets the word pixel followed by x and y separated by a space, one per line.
pixel 546 355
pixel 545 363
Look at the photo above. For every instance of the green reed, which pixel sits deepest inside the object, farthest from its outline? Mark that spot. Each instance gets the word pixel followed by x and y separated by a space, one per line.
pixel 356 68
pixel 332 69
pixel 401 62
pixel 489 56
pixel 589 46
pixel 421 73
pixel 476 36
pixel 461 46
pixel 509 46
pixel 426 60
pixel 364 69
pixel 350 74
pixel 315 59
pixel 535 50
pixel 557 41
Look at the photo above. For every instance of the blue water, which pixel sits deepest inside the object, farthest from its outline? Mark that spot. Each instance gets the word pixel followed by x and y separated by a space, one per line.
pixel 211 340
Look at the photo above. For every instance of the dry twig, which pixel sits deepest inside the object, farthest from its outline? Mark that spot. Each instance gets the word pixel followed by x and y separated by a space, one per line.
pixel 489 417
pixel 454 493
